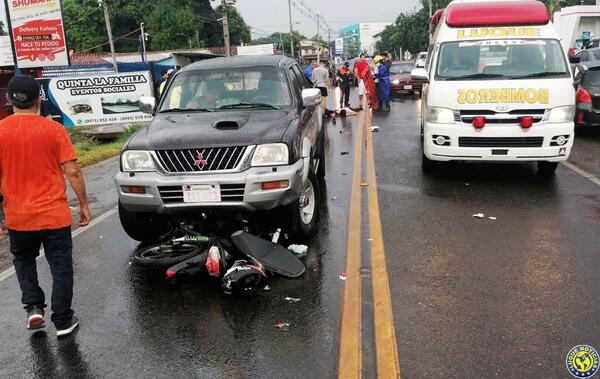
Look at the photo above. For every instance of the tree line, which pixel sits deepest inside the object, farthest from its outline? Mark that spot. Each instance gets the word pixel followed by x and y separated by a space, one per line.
pixel 410 30
pixel 171 24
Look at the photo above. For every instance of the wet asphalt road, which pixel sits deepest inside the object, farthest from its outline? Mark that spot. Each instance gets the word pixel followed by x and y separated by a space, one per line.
pixel 470 297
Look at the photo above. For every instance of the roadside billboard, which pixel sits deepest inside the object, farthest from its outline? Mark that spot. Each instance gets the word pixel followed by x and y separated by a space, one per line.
pixel 6 55
pixel 266 49
pixel 38 33
pixel 96 100
pixel 339 46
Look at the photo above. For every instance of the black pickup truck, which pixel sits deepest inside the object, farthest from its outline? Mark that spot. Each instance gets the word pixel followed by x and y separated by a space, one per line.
pixel 235 133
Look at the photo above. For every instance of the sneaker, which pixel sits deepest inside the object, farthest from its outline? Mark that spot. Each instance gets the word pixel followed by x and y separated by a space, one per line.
pixel 69 328
pixel 35 319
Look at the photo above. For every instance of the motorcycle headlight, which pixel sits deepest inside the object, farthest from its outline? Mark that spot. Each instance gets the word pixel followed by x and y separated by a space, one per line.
pixel 273 154
pixel 138 161
pixel 440 115
pixel 562 114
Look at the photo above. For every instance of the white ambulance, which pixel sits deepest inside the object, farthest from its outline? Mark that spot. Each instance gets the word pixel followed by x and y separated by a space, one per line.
pixel 499 87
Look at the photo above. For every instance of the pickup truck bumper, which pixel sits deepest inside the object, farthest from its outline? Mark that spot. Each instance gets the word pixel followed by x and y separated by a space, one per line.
pixel 242 190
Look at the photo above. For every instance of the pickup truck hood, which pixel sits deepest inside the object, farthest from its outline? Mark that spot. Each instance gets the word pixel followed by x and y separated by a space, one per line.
pixel 194 130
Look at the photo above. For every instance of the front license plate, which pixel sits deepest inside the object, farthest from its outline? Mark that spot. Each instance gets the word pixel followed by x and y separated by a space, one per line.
pixel 202 193
pixel 407 87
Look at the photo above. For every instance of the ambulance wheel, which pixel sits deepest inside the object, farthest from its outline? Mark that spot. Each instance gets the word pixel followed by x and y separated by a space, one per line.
pixel 547 168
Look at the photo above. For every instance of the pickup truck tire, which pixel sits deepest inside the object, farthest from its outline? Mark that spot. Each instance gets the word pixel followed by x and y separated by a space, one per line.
pixel 547 168
pixel 143 227
pixel 303 218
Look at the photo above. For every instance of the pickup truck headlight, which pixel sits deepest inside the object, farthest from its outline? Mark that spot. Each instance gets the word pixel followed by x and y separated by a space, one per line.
pixel 138 161
pixel 273 154
pixel 440 115
pixel 562 114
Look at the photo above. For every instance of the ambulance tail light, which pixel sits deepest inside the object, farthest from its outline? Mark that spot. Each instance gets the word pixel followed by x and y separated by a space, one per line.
pixel 583 95
pixel 479 122
pixel 526 122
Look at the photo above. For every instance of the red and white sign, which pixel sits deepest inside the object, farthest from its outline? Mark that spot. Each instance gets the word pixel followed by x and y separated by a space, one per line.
pixel 38 33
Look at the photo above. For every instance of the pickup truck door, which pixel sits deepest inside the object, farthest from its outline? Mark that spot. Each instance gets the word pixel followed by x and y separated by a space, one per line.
pixel 310 123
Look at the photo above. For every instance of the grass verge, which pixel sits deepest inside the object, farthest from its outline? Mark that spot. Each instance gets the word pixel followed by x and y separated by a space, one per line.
pixel 90 151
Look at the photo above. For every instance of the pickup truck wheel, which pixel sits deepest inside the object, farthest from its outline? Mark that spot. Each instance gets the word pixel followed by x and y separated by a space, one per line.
pixel 143 227
pixel 304 213
pixel 547 168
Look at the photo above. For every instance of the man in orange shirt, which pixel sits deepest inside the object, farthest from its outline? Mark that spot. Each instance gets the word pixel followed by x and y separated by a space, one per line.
pixel 34 153
pixel 360 70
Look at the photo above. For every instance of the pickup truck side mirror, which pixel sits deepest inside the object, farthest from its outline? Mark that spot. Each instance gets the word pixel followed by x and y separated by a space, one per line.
pixel 419 74
pixel 311 97
pixel 574 60
pixel 147 104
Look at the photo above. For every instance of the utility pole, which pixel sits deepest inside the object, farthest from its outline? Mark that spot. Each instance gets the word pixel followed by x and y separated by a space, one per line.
pixel 430 15
pixel 225 27
pixel 291 29
pixel 318 39
pixel 144 38
pixel 104 6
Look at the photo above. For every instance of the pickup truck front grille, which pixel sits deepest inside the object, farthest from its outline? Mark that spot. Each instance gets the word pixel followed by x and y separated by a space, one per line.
pixel 201 160
pixel 500 142
pixel 229 193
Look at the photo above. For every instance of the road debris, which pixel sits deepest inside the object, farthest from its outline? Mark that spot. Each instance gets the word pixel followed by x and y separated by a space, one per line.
pixel 343 276
pixel 345 153
pixel 282 325
pixel 298 250
pixel 292 299
pixel 364 184
pixel 374 129
pixel 267 288
pixel 479 215
pixel 493 218
pixel 334 198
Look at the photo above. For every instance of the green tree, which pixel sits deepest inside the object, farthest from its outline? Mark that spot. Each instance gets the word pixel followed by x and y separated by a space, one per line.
pixel 239 31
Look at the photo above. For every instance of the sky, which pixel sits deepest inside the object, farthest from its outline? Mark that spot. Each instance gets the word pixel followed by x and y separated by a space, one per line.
pixel 272 15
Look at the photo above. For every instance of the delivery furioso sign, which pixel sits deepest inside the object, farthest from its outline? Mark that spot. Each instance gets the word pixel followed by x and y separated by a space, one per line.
pixel 38 34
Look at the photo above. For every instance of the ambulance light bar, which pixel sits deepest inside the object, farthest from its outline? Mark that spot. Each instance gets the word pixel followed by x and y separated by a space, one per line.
pixel 508 13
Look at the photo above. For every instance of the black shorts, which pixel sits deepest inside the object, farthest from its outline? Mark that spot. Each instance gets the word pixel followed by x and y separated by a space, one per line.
pixel 324 92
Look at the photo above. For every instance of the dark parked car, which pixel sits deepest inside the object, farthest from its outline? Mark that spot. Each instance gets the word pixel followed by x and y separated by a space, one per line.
pixel 234 134
pixel 402 80
pixel 587 113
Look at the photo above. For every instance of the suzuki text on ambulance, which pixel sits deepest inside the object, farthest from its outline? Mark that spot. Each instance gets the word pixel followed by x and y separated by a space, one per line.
pixel 499 87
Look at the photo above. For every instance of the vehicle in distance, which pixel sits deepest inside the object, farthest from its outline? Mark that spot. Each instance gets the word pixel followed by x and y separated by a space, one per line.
pixel 421 60
pixel 587 113
pixel 401 80
pixel 238 134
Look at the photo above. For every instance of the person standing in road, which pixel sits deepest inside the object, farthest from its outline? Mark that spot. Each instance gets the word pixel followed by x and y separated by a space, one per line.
pixel 345 81
pixel 308 71
pixel 383 83
pixel 360 70
pixel 322 81
pixel 34 153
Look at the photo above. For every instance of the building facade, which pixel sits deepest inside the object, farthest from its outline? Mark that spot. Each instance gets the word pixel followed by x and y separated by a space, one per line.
pixel 360 38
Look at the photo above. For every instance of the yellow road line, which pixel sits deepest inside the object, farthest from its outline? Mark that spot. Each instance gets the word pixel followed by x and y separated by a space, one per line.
pixel 350 363
pixel 385 335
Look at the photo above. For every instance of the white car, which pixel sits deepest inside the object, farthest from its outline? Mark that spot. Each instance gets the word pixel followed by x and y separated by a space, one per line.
pixel 421 59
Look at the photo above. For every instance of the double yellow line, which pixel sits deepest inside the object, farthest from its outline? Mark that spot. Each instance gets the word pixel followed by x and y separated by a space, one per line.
pixel 350 363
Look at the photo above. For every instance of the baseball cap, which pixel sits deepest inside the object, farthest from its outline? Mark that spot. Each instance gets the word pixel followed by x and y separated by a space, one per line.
pixel 23 90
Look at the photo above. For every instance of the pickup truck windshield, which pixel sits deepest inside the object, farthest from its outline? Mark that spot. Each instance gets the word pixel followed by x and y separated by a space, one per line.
pixel 231 88
pixel 501 59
